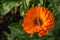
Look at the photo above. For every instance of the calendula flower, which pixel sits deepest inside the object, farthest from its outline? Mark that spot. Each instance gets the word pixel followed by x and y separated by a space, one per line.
pixel 38 19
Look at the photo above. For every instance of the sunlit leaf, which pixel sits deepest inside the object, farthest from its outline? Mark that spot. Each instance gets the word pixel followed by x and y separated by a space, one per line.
pixel 7 6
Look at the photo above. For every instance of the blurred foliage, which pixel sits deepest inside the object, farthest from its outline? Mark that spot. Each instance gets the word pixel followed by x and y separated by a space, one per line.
pixel 17 32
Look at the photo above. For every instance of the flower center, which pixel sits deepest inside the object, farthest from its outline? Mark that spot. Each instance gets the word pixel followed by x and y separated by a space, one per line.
pixel 38 22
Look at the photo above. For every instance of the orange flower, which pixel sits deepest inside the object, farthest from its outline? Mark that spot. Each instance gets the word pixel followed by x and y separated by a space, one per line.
pixel 38 19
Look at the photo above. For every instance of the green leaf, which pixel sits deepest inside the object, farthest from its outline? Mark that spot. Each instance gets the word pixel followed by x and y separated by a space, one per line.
pixel 6 7
pixel 27 2
pixel 53 6
pixel 57 17
pixel 50 33
pixel 51 38
pixel 25 7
